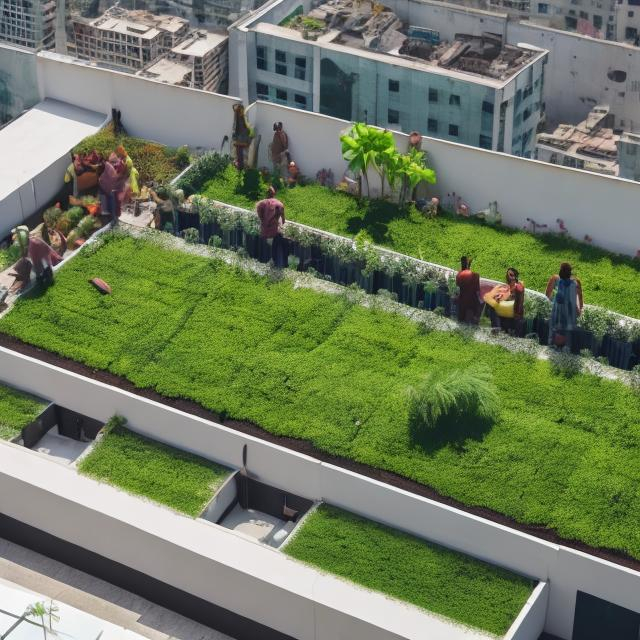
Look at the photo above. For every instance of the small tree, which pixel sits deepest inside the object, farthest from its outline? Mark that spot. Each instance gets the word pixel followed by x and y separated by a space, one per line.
pixel 365 146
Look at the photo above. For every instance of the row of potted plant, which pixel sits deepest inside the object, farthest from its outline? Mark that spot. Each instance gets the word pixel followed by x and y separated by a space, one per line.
pixel 414 282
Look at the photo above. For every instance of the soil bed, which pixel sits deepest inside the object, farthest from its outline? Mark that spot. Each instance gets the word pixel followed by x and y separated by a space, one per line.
pixel 305 447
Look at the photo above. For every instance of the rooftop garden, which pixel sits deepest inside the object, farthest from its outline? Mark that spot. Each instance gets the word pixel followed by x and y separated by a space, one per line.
pixel 609 280
pixel 17 410
pixel 558 449
pixel 405 567
pixel 147 468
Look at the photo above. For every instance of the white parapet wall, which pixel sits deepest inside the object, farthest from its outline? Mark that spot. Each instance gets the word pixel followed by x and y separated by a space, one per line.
pixel 565 570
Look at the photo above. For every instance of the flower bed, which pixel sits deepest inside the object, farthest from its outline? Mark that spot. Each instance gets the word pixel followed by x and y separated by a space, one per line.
pixel 155 162
pixel 147 468
pixel 402 566
pixel 609 280
pixel 17 410
pixel 563 453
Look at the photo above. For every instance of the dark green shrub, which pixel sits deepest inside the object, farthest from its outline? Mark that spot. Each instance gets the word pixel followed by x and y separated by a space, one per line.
pixel 453 396
pixel 75 215
pixel 205 168
pixel 182 157
pixel 191 235
pixel 51 216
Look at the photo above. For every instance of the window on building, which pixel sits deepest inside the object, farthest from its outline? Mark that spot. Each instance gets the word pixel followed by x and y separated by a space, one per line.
pixel 432 125
pixel 454 100
pixel 281 69
pixel 394 86
pixel 485 142
pixel 281 56
pixel 281 94
pixel 630 14
pixel 301 69
pixel 570 23
pixel 261 62
pixel 518 98
pixel 262 91
pixel 393 116
pixel 300 100
pixel 597 21
pixel 526 114
pixel 487 107
pixel 584 15
pixel 453 130
pixel 433 95
pixel 630 33
pixel 543 7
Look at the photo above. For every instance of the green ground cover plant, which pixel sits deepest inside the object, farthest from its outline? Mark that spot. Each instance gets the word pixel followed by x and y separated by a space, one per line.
pixel 563 452
pixel 155 162
pixel 405 567
pixel 147 468
pixel 609 280
pixel 17 410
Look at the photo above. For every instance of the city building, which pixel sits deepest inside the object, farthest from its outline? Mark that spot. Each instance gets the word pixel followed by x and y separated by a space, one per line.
pixel 207 54
pixel 127 39
pixel 608 19
pixel 364 62
pixel 593 145
pixel 28 23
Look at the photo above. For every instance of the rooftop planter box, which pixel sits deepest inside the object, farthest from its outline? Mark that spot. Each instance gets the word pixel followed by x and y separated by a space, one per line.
pixel 609 280
pixel 177 479
pixel 440 580
pixel 17 411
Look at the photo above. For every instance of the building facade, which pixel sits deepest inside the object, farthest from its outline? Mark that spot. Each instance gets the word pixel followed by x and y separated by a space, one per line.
pixel 491 100
pixel 28 23
pixel 127 39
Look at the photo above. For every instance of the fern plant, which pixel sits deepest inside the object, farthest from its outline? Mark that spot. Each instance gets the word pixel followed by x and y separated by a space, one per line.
pixel 458 395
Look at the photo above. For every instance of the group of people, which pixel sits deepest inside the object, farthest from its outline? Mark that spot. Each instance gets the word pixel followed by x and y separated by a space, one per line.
pixel 506 301
pixel 116 177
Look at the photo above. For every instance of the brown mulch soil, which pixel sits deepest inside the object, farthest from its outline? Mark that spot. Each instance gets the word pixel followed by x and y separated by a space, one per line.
pixel 305 447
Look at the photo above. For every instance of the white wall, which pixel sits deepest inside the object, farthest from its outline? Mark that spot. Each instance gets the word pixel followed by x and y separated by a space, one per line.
pixel 150 109
pixel 530 623
pixel 565 569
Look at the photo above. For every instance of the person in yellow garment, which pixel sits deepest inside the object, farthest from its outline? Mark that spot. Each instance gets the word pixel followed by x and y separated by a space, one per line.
pixel 131 171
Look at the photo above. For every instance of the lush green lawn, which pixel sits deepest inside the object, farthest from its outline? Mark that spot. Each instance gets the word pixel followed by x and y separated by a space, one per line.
pixel 147 468
pixel 564 453
pixel 17 410
pixel 403 566
pixel 608 280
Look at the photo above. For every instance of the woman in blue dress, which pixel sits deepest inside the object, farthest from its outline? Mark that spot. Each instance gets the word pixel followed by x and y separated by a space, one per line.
pixel 565 291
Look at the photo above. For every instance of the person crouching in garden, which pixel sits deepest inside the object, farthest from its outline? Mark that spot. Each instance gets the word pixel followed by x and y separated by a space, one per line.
pixel 468 282
pixel 515 324
pixel 565 291
pixel 271 214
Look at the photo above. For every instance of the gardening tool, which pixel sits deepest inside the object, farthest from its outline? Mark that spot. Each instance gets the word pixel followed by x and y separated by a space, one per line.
pixel 243 482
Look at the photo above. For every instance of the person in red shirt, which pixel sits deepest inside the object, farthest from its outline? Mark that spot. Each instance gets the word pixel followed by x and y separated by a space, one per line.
pixel 469 298
pixel 271 214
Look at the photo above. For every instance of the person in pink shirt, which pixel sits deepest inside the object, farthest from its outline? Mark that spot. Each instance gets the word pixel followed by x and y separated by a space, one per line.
pixel 271 214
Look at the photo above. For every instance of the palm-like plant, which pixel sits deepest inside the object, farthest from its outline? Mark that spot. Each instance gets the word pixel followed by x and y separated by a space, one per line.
pixel 365 146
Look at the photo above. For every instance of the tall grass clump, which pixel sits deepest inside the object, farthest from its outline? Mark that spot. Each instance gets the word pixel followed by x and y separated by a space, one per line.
pixel 446 397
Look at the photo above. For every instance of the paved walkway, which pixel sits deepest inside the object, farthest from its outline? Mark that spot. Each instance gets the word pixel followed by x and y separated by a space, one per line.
pixel 101 599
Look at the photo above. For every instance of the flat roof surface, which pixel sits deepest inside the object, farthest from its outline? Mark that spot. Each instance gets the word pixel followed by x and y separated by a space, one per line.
pixel 40 137
pixel 167 71
pixel 200 46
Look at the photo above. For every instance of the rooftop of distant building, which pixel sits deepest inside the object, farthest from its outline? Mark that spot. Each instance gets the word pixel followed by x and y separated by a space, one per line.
pixel 139 23
pixel 375 30
pixel 199 43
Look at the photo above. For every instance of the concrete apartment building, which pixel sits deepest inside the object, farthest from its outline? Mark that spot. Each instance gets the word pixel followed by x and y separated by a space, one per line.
pixel 28 23
pixel 592 145
pixel 199 62
pixel 127 39
pixel 380 66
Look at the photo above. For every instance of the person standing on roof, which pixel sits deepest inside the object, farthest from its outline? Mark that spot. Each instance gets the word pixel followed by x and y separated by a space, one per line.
pixel 469 298
pixel 271 214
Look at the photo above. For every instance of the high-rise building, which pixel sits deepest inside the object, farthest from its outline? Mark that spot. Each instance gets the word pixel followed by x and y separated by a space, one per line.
pixel 28 23
pixel 358 61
